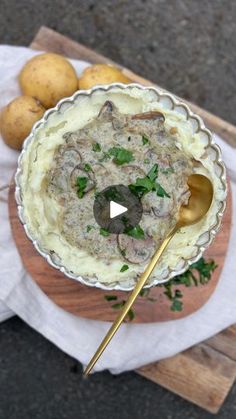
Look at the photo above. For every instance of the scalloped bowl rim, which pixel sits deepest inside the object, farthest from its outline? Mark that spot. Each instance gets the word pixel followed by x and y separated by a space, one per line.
pixel 118 286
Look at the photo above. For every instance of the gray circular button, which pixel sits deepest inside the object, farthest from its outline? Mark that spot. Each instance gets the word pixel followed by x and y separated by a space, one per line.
pixel 117 209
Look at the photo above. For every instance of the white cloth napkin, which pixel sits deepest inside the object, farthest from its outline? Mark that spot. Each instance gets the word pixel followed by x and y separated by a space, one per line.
pixel 134 345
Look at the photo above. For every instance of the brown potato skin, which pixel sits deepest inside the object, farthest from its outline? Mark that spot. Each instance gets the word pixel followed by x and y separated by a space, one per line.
pixel 17 119
pixel 101 74
pixel 48 77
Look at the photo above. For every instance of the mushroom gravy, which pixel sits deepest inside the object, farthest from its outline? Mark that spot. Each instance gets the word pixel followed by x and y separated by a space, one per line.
pixel 137 151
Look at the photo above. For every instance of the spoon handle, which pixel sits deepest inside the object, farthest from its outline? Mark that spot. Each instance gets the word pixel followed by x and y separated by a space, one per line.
pixel 138 287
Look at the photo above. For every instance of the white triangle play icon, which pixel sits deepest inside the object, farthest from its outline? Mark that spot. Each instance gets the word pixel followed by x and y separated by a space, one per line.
pixel 116 209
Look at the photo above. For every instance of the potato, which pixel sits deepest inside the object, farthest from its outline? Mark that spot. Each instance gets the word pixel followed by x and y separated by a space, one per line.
pixel 101 74
pixel 48 77
pixel 17 119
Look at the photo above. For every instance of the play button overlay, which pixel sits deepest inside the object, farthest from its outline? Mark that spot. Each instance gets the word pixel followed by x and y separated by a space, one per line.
pixel 116 209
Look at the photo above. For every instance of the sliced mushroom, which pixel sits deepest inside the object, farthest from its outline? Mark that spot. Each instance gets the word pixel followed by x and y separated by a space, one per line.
pixel 151 115
pixel 163 138
pixel 185 197
pixel 68 157
pixel 70 138
pixel 100 176
pixel 162 161
pixel 119 122
pixel 180 165
pixel 75 218
pixel 109 113
pixel 131 172
pixel 145 123
pixel 100 246
pixel 106 111
pixel 163 209
pixel 58 181
pixel 134 250
pixel 78 171
pixel 99 169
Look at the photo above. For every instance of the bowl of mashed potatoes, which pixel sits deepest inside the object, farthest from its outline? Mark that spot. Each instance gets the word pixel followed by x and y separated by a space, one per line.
pixel 132 135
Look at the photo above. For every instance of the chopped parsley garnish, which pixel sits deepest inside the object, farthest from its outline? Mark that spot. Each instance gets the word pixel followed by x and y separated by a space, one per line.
pixel 96 147
pixel 131 314
pixel 146 161
pixel 87 167
pixel 104 232
pixel 135 232
pixel 116 306
pixel 176 305
pixel 81 183
pixel 167 170
pixel 119 305
pixel 124 268
pixel 113 194
pixel 198 273
pixel 121 155
pixel 153 173
pixel 148 184
pixel 106 156
pixel 145 183
pixel 145 140
pixel 89 228
pixel 204 270
pixel 110 297
pixel 144 292
pixel 160 191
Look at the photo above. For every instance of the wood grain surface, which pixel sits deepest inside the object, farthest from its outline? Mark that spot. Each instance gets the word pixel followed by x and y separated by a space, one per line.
pixel 205 373
pixel 201 374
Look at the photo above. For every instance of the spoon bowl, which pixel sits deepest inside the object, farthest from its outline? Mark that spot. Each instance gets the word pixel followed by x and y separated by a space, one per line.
pixel 200 200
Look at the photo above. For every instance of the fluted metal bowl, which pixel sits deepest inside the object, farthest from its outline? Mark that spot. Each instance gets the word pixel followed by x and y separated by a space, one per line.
pixel 169 101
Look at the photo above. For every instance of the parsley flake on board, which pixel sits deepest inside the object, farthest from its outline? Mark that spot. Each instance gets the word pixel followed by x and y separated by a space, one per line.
pixel 124 268
pixel 199 273
pixel 81 183
pixel 110 297
pixel 121 155
pixel 120 304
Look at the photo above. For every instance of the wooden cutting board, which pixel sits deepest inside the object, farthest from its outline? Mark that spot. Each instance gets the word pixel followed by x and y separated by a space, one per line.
pixel 205 373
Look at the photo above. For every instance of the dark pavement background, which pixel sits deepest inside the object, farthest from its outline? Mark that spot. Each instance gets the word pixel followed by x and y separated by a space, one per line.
pixel 186 46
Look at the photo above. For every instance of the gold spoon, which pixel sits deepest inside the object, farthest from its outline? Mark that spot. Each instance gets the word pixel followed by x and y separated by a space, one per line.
pixel 199 203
